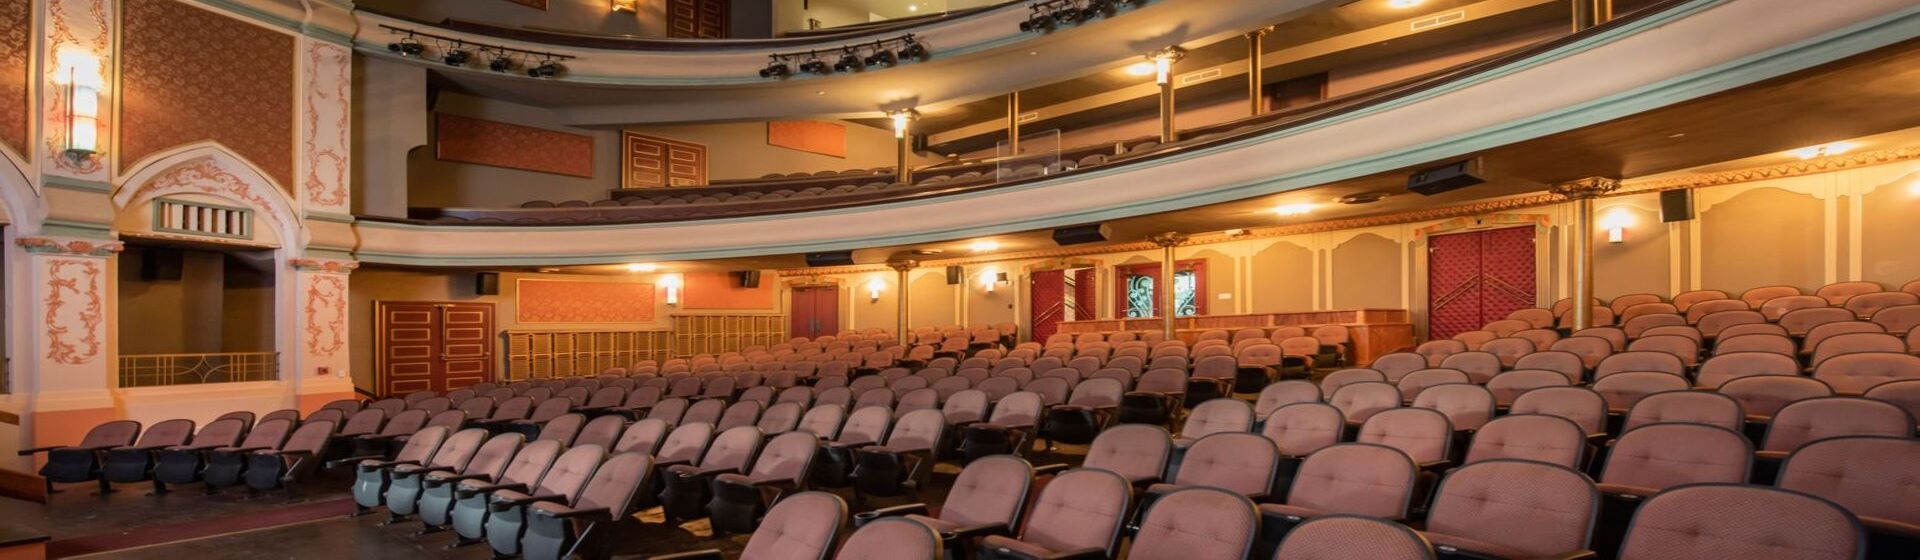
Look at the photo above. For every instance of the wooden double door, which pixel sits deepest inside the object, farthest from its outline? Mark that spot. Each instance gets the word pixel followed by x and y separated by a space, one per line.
pixel 432 346
pixel 1477 277
pixel 815 312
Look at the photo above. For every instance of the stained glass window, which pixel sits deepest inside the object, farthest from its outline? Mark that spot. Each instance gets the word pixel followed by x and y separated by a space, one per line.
pixel 1142 300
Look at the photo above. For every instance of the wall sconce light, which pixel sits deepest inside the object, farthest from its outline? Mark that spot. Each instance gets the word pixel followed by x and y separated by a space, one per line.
pixel 83 107
pixel 874 287
pixel 626 6
pixel 672 283
pixel 1616 223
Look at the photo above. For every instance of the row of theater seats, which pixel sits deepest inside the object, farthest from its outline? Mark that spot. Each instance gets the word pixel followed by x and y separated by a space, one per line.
pixel 1773 303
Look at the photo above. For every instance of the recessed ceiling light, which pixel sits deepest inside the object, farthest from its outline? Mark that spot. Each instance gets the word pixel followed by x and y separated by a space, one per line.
pixel 983 245
pixel 1404 3
pixel 1823 150
pixel 1297 209
pixel 548 269
pixel 821 92
pixel 642 267
pixel 1676 135
pixel 913 7
pixel 1141 69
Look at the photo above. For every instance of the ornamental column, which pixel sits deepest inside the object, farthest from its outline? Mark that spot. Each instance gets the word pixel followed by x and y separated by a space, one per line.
pixel 1256 70
pixel 902 267
pixel 1163 60
pixel 1582 192
pixel 69 367
pixel 320 370
pixel 1166 294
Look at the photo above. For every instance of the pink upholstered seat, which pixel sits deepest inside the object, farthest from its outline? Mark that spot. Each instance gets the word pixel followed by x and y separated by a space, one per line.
pixel 1351 478
pixel 1532 437
pixel 1508 386
pixel 1413 383
pixel 1137 452
pixel 1506 350
pixel 1875 478
pixel 1467 407
pixel 1589 349
pixel 1300 429
pixel 1655 457
pixel 1284 393
pixel 1334 381
pixel 1639 361
pixel 1081 509
pixel 1399 364
pixel 1566 363
pixel 1771 343
pixel 1360 401
pixel 1905 394
pixel 1215 416
pixel 1196 524
pixel 1815 419
pixel 1746 522
pixel 1698 407
pixel 1238 462
pixel 987 495
pixel 1853 374
pixel 1513 509
pixel 1479 366
pixel 1623 390
pixel 1433 351
pixel 892 538
pixel 1763 395
pixel 1424 435
pixel 1340 537
pixel 1580 405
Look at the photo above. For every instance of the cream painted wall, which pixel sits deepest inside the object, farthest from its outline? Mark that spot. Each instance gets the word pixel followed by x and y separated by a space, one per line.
pixel 389 120
pixel 1385 267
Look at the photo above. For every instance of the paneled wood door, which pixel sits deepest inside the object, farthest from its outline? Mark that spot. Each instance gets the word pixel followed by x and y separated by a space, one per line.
pixel 432 346
pixel 697 19
pixel 816 311
pixel 653 162
pixel 1477 277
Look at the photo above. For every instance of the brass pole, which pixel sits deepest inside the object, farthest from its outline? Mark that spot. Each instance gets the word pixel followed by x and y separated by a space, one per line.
pixel 1256 70
pixel 1168 299
pixel 1163 61
pixel 1589 13
pixel 1013 123
pixel 1582 192
pixel 901 267
pixel 904 174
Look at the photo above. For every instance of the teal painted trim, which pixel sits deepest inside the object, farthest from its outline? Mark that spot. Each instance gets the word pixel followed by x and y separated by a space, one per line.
pixel 66 228
pixel 255 14
pixel 327 35
pixel 72 184
pixel 1833 46
pixel 335 253
pixel 330 217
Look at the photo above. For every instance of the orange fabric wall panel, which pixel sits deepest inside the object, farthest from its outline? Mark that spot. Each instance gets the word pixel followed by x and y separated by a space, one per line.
pixel 719 290
pixel 586 301
pixel 189 75
pixel 825 138
pixel 16 31
pixel 513 146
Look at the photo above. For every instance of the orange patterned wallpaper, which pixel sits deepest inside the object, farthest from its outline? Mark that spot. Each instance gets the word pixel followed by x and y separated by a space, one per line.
pixel 16 30
pixel 513 146
pixel 719 290
pixel 189 75
pixel 567 301
pixel 825 138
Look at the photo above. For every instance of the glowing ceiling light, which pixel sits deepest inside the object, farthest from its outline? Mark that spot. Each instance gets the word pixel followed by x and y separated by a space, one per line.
pixel 1404 3
pixel 1145 68
pixel 1823 150
pixel 1299 209
pixel 983 246
pixel 642 267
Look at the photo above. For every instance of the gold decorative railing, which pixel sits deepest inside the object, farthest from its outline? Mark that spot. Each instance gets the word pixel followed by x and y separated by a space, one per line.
pixel 160 370
pixel 547 354
pixel 713 334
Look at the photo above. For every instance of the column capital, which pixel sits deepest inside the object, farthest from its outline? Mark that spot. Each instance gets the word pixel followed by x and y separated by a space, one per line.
pixel 77 247
pixel 1168 239
pixel 1590 187
pixel 903 265
pixel 1261 32
pixel 324 265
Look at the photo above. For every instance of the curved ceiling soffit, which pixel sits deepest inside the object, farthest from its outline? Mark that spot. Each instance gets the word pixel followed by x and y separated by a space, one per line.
pixel 210 169
pixel 1550 94
pixel 973 57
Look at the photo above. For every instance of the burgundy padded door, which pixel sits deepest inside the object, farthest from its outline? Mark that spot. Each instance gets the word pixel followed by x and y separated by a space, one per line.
pixel 1085 293
pixel 1049 293
pixel 816 311
pixel 1477 277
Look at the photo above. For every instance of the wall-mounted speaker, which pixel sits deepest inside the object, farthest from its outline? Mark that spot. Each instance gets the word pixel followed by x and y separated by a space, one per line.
pixel 1075 235
pixel 1452 176
pixel 956 274
pixel 486 283
pixel 747 278
pixel 835 258
pixel 1676 205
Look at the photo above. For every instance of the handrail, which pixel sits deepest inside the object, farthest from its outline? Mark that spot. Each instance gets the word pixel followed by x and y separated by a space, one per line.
pixel 615 42
pixel 1200 137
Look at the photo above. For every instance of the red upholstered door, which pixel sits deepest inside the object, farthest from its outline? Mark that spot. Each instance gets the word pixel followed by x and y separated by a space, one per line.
pixel 1049 289
pixel 1085 306
pixel 1477 277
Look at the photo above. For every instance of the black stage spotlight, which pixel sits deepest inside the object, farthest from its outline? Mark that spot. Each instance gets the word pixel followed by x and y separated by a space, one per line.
pixel 850 61
pixel 456 58
pixel 500 63
pixel 407 47
pixel 814 66
pixel 1097 8
pixel 1066 14
pixel 776 69
pixel 1037 21
pixel 546 69
pixel 882 57
pixel 911 49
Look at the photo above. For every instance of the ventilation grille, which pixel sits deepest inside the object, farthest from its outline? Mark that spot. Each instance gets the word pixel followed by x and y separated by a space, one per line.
pixel 197 218
pixel 1437 20
pixel 1201 76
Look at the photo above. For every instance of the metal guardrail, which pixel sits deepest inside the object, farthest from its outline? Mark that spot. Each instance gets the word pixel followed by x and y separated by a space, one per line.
pixel 161 370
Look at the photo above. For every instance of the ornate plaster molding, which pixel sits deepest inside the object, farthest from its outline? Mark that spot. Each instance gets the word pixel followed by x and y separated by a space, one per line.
pixel 76 247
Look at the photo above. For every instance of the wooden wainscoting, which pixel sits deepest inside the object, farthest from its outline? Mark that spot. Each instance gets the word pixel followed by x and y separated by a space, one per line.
pixel 547 354
pixel 716 333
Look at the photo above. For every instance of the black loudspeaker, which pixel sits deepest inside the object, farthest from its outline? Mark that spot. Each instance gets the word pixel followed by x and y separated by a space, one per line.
pixel 162 263
pixel 1456 175
pixel 836 258
pixel 1676 205
pixel 956 275
pixel 486 283
pixel 1075 235
pixel 747 278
